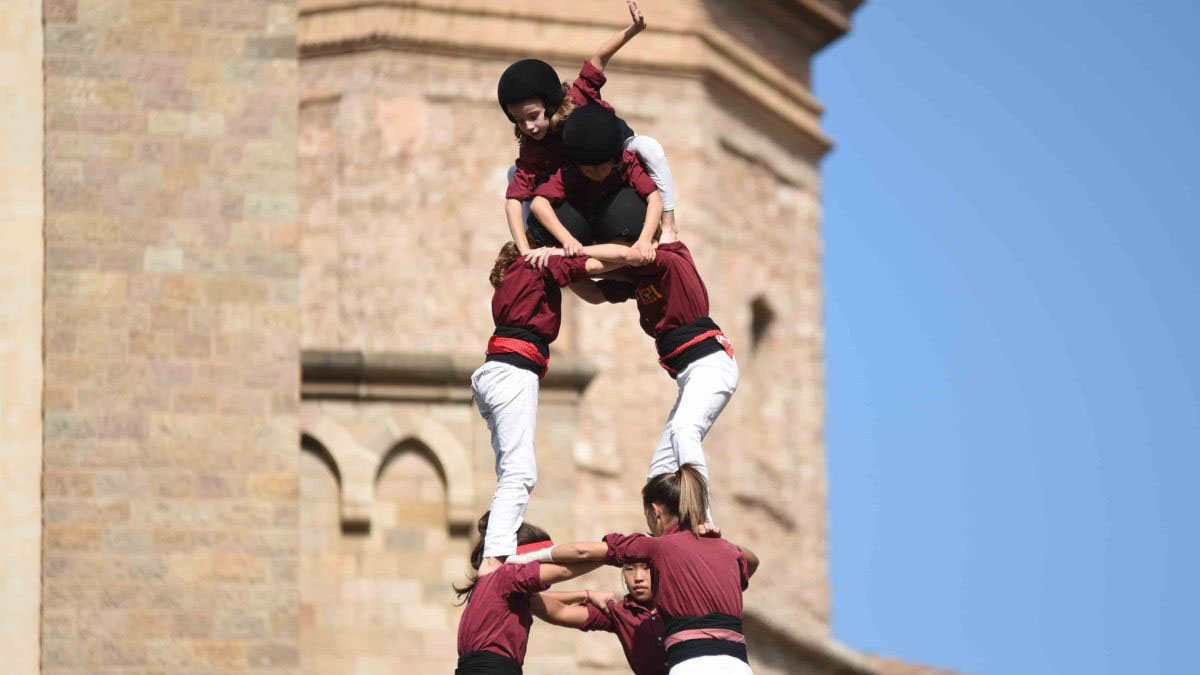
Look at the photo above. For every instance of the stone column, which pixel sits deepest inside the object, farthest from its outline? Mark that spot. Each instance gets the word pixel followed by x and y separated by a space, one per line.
pixel 21 220
pixel 171 318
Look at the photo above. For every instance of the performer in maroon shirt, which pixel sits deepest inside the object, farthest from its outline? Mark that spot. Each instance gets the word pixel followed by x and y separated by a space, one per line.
pixel 672 304
pixel 698 580
pixel 493 631
pixel 633 618
pixel 537 103
pixel 527 310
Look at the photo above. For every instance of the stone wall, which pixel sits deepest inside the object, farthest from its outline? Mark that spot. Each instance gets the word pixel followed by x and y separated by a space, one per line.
pixel 171 314
pixel 21 221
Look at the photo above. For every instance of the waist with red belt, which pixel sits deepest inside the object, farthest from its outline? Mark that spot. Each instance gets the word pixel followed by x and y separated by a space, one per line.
pixel 679 347
pixel 520 347
pixel 714 634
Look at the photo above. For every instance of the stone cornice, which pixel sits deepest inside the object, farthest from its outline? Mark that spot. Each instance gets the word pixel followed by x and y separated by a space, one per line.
pixel 428 376
pixel 685 44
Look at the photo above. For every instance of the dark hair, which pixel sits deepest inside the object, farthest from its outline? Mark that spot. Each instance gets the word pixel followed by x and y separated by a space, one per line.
pixel 684 494
pixel 508 253
pixel 526 534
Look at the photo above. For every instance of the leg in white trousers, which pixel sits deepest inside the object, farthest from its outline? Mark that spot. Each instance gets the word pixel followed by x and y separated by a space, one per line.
pixel 705 388
pixel 712 665
pixel 654 159
pixel 507 397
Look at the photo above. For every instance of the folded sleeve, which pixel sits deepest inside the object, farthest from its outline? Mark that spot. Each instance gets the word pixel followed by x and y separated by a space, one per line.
pixel 586 88
pixel 523 182
pixel 526 579
pixel 626 547
pixel 743 572
pixel 566 271
pixel 597 620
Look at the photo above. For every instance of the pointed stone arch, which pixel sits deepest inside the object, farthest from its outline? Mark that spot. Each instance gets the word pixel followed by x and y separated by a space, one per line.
pixel 352 464
pixel 450 458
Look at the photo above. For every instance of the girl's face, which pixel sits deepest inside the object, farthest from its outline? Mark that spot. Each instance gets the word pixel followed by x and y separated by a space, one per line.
pixel 597 172
pixel 531 117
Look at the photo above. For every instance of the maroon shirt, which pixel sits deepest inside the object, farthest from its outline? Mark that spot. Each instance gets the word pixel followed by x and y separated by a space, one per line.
pixel 669 290
pixel 691 576
pixel 497 617
pixel 530 298
pixel 539 159
pixel 640 631
pixel 570 184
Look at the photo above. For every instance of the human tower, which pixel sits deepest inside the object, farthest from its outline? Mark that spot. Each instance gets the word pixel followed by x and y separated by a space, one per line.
pixel 590 207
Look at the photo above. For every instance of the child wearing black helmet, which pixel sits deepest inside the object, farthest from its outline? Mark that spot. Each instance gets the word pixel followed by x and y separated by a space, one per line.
pixel 600 194
pixel 538 104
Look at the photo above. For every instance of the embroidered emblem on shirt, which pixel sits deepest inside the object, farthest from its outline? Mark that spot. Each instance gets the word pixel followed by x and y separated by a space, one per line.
pixel 649 294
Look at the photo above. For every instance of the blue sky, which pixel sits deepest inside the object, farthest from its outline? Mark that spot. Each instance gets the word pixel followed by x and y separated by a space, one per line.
pixel 1012 276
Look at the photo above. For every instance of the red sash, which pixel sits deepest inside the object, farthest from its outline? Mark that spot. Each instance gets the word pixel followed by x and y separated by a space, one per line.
pixel 721 340
pixel 503 345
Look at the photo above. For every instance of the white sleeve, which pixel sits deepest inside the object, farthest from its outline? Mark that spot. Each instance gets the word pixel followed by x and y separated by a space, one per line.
pixel 654 160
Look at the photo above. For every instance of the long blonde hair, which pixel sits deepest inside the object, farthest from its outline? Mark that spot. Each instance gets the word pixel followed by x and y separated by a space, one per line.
pixel 684 494
pixel 560 115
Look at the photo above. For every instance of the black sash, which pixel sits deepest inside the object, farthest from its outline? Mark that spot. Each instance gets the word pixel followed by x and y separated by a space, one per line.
pixel 673 339
pixel 486 663
pixel 690 649
pixel 514 359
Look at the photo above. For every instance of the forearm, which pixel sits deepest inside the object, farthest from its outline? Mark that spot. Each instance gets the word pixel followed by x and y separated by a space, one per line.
pixel 566 597
pixel 594 266
pixel 609 47
pixel 653 214
pixel 516 225
pixel 580 552
pixel 608 253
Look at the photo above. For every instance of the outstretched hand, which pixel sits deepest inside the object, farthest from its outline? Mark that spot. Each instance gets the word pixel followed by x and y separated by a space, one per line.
pixel 639 21
pixel 601 598
pixel 538 257
pixel 572 248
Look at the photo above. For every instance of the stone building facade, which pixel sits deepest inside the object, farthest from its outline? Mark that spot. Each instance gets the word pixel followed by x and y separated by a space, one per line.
pixel 243 283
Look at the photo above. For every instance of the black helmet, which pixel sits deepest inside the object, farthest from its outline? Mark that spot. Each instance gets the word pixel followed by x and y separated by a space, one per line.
pixel 528 78
pixel 592 135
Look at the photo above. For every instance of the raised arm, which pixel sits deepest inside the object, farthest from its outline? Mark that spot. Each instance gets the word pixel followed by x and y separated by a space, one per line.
pixel 610 46
pixel 644 247
pixel 562 570
pixel 516 226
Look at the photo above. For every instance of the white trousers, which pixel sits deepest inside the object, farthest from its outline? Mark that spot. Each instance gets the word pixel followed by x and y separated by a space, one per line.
pixel 712 665
pixel 507 397
pixel 654 160
pixel 705 388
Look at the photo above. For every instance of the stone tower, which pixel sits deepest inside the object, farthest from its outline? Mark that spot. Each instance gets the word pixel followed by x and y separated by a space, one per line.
pixel 402 162
pixel 243 282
